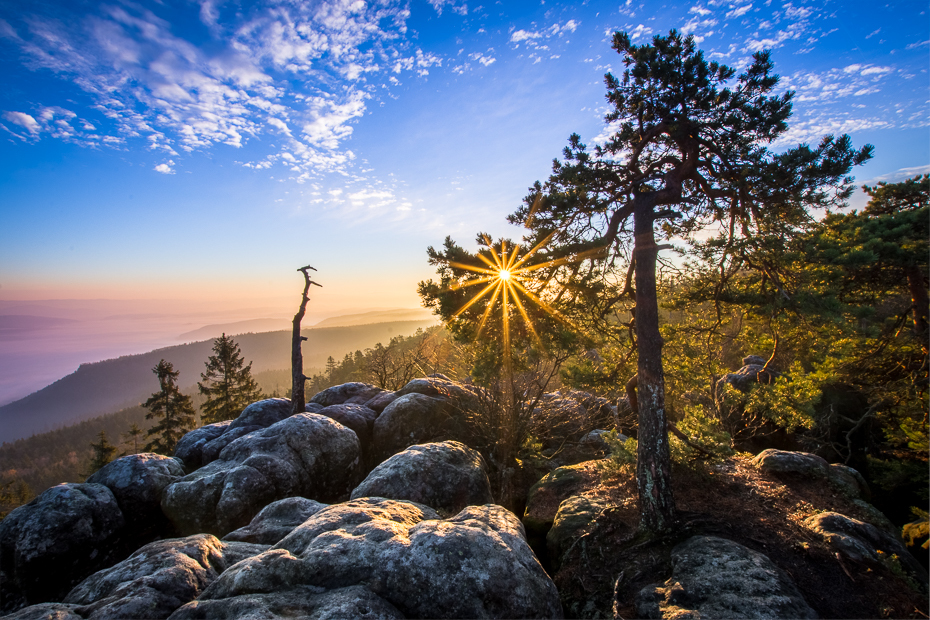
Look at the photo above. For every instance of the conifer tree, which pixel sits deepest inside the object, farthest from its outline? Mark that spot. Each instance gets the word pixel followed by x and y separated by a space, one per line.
pixel 104 452
pixel 172 408
pixel 133 436
pixel 227 383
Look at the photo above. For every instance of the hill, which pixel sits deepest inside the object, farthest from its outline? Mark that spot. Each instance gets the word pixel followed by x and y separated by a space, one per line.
pixel 103 387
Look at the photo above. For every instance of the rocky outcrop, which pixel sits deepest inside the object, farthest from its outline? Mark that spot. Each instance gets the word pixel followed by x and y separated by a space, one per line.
pixel 718 578
pixel 190 446
pixel 574 516
pixel 414 418
pixel 276 520
pixel 545 497
pixel 753 371
pixel 359 418
pixel 137 482
pixel 158 578
pixel 347 393
pixel 55 541
pixel 802 464
pixel 306 455
pixel 302 602
pixel 46 611
pixel 476 564
pixel 446 476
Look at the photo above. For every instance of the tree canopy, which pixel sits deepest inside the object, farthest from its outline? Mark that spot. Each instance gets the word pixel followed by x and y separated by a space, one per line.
pixel 227 383
pixel 173 410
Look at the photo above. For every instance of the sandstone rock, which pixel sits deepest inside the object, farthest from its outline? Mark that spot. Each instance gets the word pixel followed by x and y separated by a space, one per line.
pixel 190 447
pixel 717 578
pixel 302 602
pixel 747 376
pixel 276 520
pixel 446 476
pixel 158 578
pixel 382 400
pixel 306 455
pixel 791 463
pixel 313 407
pixel 359 418
pixel 257 416
pixel 474 565
pixel 56 540
pixel 137 481
pixel 46 611
pixel 413 419
pixel 351 393
pixel 441 386
pixel 862 541
pixel 545 497
pixel 849 480
pixel 574 516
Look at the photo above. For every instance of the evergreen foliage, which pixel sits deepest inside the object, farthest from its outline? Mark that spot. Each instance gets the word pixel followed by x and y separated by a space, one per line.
pixel 103 453
pixel 173 410
pixel 132 438
pixel 227 383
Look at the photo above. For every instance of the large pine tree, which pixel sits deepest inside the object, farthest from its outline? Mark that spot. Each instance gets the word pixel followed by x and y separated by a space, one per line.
pixel 172 408
pixel 227 383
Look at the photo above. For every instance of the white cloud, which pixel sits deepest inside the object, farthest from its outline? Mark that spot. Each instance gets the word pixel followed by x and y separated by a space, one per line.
pixel 533 38
pixel 165 168
pixel 24 120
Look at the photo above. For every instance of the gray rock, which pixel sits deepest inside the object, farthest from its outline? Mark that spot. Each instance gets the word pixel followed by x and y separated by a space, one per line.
pixel 313 407
pixel 441 386
pixel 359 418
pixel 446 476
pixel 849 480
pixel 158 578
pixel 747 376
pixel 306 455
pixel 862 541
pixel 474 565
pixel 414 419
pixel 347 393
pixel 137 481
pixel 382 400
pixel 263 413
pixel 574 516
pixel 792 463
pixel 276 520
pixel 190 446
pixel 545 497
pixel 54 541
pixel 714 578
pixel 46 611
pixel 302 602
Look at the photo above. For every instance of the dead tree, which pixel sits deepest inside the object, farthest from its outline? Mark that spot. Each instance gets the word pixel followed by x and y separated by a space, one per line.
pixel 297 359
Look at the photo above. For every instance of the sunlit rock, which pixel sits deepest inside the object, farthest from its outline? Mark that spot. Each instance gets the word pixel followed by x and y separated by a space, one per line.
pixel 276 520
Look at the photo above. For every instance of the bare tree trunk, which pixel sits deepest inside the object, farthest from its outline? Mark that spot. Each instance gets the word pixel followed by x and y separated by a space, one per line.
pixel 653 463
pixel 919 297
pixel 298 403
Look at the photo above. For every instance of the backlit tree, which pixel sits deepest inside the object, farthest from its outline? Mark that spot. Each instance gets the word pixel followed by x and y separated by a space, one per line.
pixel 227 383
pixel 172 409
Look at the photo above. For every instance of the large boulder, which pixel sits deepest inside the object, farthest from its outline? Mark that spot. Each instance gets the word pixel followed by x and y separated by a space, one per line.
pixel 158 578
pixel 474 565
pixel 46 611
pixel 190 446
pixel 789 463
pixel 301 602
pixel 306 455
pixel 545 497
pixel 257 416
pixel 446 476
pixel 440 386
pixel 718 578
pixel 359 418
pixel 575 516
pixel 753 371
pixel 415 418
pixel 54 541
pixel 137 482
pixel 276 520
pixel 347 393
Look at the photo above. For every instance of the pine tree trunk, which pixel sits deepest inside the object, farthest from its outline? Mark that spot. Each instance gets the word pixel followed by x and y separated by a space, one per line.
pixel 919 298
pixel 653 464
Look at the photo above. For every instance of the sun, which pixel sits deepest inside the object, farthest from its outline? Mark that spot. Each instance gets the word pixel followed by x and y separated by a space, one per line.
pixel 503 274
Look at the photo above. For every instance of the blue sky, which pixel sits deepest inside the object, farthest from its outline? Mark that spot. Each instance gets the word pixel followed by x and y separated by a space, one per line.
pixel 185 149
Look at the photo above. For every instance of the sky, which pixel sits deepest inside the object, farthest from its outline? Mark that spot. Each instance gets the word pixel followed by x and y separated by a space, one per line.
pixel 203 150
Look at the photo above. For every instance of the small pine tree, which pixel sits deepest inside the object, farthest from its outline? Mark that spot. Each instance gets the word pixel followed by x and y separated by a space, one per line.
pixel 172 408
pixel 227 383
pixel 133 436
pixel 104 452
pixel 330 366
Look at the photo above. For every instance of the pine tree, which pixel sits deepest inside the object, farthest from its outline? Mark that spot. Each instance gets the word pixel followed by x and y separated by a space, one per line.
pixel 132 436
pixel 173 409
pixel 227 383
pixel 104 452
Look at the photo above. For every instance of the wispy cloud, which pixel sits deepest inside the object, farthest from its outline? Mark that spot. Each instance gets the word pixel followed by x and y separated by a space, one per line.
pixel 536 38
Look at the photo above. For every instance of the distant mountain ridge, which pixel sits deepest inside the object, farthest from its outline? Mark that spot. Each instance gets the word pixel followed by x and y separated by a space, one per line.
pixel 103 387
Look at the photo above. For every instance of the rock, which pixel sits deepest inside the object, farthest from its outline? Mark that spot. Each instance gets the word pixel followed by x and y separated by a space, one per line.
pixel 849 480
pixel 751 373
pixel 474 565
pixel 190 446
pixel 313 407
pixel 54 541
pixel 306 455
pixel 791 463
pixel 46 611
pixel 382 400
pixel 876 517
pixel 158 578
pixel 717 578
pixel 276 520
pixel 351 393
pixel 302 602
pixel 414 419
pixel 137 482
pixel 439 385
pixel 569 416
pixel 263 413
pixel 862 541
pixel 359 418
pixel 446 476
pixel 574 515
pixel 545 497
